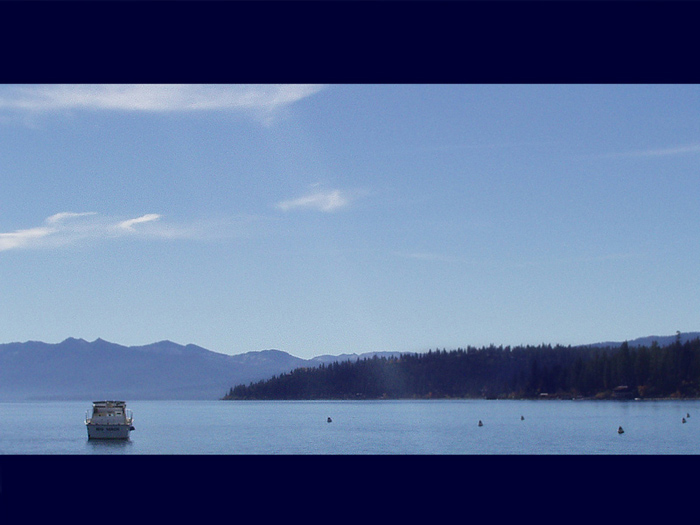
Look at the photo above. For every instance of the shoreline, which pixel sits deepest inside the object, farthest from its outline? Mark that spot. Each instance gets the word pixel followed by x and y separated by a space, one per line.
pixel 548 398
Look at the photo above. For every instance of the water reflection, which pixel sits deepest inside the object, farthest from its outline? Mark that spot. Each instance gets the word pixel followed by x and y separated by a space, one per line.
pixel 108 446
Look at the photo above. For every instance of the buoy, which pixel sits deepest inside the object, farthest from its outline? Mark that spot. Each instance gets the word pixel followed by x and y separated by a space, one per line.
pixel 620 431
pixel 522 418
pixel 687 414
pixel 330 420
pixel 480 423
pixel 683 420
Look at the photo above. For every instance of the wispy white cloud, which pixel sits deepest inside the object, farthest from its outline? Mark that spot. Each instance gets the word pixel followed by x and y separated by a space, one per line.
pixel 23 238
pixel 129 224
pixel 60 217
pixel 474 146
pixel 434 257
pixel 68 228
pixel 429 256
pixel 662 152
pixel 654 152
pixel 324 200
pixel 261 99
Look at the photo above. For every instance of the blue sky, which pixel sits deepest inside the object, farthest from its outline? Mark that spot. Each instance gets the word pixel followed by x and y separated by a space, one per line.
pixel 331 219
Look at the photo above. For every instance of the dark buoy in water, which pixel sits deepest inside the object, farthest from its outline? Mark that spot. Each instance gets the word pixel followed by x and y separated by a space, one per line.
pixel 522 418
pixel 329 420
pixel 620 431
pixel 683 420
pixel 687 414
pixel 480 423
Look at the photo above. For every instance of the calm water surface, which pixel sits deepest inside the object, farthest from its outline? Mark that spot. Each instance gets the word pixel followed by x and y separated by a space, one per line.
pixel 362 427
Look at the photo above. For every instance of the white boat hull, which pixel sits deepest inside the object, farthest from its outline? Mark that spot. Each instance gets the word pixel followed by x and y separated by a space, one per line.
pixel 98 431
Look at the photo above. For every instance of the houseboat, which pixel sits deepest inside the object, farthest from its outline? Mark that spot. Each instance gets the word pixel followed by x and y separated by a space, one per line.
pixel 109 420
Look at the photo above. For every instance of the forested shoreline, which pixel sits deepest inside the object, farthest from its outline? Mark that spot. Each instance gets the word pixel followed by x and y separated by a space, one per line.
pixel 521 372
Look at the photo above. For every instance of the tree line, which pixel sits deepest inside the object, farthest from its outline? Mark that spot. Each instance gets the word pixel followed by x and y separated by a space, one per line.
pixel 497 372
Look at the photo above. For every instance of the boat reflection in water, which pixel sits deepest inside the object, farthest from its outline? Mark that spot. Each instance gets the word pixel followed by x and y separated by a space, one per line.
pixel 109 420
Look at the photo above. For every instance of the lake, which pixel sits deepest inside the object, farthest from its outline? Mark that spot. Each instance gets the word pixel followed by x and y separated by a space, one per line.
pixel 403 427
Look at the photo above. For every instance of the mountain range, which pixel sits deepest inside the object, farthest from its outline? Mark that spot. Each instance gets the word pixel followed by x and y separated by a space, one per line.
pixel 662 340
pixel 75 369
pixel 78 369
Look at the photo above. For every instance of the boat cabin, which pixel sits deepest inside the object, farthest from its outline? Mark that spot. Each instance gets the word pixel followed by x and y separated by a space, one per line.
pixel 107 412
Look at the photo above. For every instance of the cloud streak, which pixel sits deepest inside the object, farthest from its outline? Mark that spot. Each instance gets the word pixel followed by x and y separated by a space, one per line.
pixel 129 224
pixel 23 238
pixel 262 99
pixel 69 228
pixel 654 152
pixel 433 257
pixel 429 257
pixel 325 201
pixel 60 217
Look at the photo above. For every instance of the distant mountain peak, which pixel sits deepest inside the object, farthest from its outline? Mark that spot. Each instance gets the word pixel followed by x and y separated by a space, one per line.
pixel 78 369
pixel 69 340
